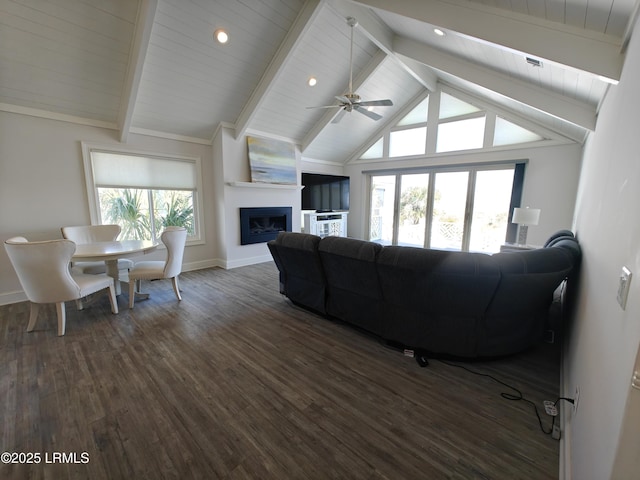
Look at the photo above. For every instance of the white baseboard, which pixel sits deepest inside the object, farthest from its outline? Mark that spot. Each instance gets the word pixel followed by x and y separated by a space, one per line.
pixel 12 297
pixel 191 266
pixel 564 470
pixel 248 261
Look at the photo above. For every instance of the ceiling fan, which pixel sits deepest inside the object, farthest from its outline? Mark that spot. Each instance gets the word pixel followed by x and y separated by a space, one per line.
pixel 351 101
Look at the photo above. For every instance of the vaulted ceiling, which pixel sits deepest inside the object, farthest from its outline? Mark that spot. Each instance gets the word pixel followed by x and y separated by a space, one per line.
pixel 152 66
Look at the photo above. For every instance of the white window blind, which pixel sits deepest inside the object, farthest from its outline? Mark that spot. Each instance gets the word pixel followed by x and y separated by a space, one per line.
pixel 136 171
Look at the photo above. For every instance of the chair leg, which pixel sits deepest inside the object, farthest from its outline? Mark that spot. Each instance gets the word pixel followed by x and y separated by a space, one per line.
pixel 33 315
pixel 132 292
pixel 62 318
pixel 112 299
pixel 176 287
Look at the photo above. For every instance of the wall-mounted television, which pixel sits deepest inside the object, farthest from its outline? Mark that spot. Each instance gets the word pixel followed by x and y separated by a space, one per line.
pixel 325 193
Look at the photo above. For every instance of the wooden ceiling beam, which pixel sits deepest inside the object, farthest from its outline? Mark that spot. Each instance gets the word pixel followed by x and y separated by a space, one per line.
pixel 552 103
pixel 587 51
pixel 382 36
pixel 142 36
pixel 276 67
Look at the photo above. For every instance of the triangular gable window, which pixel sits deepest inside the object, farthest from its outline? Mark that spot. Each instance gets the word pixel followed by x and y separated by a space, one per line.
pixel 375 150
pixel 409 141
pixel 507 133
pixel 417 115
pixel 460 135
pixel 453 107
pixel 460 126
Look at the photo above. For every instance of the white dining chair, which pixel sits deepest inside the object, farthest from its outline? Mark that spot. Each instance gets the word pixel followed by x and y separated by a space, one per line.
pixel 84 234
pixel 43 271
pixel 174 238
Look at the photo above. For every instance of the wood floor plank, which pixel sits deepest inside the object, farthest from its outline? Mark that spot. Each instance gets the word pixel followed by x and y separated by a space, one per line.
pixel 235 382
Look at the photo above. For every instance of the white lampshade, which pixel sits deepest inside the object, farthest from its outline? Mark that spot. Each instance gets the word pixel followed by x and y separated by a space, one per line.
pixel 526 216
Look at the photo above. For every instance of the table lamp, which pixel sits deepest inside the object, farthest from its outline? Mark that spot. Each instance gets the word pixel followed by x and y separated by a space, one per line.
pixel 525 217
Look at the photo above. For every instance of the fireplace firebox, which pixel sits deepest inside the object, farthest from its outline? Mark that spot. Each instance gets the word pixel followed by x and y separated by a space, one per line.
pixel 261 224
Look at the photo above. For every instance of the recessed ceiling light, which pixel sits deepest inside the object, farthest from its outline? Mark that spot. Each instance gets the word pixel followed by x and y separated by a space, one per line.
pixel 439 32
pixel 221 36
pixel 312 81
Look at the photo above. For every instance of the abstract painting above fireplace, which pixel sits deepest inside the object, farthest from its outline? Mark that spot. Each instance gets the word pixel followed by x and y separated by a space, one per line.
pixel 261 224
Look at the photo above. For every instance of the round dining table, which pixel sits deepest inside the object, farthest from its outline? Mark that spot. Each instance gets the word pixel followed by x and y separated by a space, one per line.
pixel 110 252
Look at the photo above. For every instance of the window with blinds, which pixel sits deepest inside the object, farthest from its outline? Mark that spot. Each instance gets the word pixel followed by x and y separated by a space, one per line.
pixel 142 192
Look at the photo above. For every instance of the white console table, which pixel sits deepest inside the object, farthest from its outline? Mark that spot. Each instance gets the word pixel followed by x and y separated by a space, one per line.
pixel 326 224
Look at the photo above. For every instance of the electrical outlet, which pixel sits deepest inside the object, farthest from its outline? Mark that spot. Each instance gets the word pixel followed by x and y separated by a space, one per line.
pixel 576 397
pixel 623 287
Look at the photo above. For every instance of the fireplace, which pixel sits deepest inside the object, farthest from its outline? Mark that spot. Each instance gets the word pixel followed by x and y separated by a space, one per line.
pixel 261 224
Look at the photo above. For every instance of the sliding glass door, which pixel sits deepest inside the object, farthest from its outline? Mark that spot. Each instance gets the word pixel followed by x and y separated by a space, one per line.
pixel 383 197
pixel 491 200
pixel 462 209
pixel 413 207
pixel 449 207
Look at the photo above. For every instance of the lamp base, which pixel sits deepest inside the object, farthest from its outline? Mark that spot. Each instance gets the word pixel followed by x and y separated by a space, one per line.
pixel 522 234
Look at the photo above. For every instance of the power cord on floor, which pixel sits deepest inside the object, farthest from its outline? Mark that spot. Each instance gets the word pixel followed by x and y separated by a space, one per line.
pixel 550 407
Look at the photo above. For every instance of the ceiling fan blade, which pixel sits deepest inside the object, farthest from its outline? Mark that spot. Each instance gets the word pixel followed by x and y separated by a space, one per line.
pixel 327 106
pixel 376 103
pixel 364 111
pixel 339 116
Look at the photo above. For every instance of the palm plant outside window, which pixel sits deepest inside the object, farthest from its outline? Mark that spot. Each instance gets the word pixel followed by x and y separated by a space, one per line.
pixel 142 214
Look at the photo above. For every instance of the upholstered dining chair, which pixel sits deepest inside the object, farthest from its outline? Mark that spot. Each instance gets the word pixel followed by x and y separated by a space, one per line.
pixel 43 271
pixel 90 234
pixel 174 238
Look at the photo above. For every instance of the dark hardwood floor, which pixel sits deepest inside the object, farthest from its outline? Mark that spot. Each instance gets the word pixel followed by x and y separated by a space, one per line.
pixel 235 382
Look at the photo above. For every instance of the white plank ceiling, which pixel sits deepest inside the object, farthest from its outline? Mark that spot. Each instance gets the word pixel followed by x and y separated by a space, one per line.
pixel 68 58
pixel 152 66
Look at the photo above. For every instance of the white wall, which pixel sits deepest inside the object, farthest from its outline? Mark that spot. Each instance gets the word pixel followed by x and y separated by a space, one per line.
pixel 604 338
pixel 236 169
pixel 42 185
pixel 551 180
pixel 310 166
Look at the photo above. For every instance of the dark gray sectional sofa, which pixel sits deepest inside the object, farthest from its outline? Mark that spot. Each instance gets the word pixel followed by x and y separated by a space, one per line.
pixel 438 302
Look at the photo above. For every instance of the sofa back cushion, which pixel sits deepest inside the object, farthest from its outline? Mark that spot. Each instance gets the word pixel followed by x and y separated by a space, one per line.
pixel 302 278
pixel 435 298
pixel 353 289
pixel 518 314
pixel 558 234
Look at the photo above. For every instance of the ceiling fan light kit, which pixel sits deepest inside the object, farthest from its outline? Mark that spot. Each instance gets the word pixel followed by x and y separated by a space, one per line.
pixel 351 101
